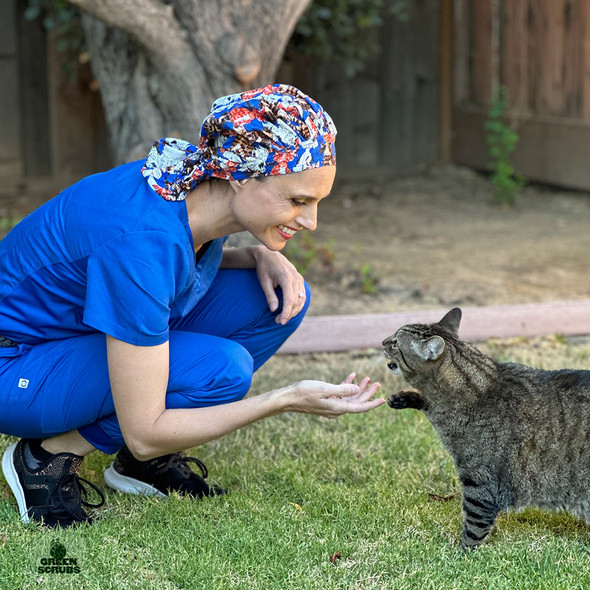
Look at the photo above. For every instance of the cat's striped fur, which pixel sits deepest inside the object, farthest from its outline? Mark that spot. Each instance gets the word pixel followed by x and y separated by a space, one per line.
pixel 519 436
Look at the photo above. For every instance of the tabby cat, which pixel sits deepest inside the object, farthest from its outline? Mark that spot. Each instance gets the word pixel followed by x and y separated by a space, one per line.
pixel 519 436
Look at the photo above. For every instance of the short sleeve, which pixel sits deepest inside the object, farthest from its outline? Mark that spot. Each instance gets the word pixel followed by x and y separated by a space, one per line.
pixel 132 282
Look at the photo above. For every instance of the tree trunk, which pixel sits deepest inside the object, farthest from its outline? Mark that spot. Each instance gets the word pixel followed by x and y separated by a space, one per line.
pixel 161 63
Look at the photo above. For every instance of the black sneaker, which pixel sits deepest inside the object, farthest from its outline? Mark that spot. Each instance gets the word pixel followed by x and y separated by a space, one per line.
pixel 50 493
pixel 159 476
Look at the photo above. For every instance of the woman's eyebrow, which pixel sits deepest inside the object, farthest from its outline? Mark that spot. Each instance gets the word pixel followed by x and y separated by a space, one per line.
pixel 312 198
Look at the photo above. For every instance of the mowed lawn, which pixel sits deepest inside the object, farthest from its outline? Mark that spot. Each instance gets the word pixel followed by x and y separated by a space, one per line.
pixel 365 501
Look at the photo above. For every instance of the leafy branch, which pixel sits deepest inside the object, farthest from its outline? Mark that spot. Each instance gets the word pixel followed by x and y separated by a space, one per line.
pixel 502 141
pixel 345 32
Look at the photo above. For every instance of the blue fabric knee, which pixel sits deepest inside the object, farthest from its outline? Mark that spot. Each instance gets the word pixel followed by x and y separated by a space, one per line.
pixel 204 371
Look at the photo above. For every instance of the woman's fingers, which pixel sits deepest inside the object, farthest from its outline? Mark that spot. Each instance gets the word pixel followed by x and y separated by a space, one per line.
pixel 321 390
pixel 332 400
pixel 350 378
pixel 275 271
pixel 363 384
pixel 286 286
pixel 294 297
pixel 269 292
pixel 367 393
pixel 338 407
pixel 362 401
pixel 355 405
pixel 368 405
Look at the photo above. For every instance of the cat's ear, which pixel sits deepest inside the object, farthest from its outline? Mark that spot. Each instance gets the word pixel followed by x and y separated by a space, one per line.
pixel 452 320
pixel 429 350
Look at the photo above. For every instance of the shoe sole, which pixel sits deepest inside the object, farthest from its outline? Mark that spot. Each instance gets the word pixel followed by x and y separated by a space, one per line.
pixel 129 485
pixel 14 482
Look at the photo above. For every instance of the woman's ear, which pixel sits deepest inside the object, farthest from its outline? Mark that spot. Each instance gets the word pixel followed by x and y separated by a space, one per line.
pixel 237 185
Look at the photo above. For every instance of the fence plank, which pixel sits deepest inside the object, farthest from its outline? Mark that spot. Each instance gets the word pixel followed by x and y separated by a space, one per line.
pixel 461 31
pixel 481 73
pixel 396 96
pixel 515 55
pixel 446 78
pixel 78 128
pixel 534 43
pixel 555 150
pixel 545 56
pixel 551 58
pixel 584 63
pixel 424 127
pixel 34 96
pixel 366 124
pixel 571 56
pixel 11 160
pixel 8 28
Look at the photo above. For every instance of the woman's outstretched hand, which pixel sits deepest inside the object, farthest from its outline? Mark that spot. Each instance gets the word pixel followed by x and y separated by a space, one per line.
pixel 330 400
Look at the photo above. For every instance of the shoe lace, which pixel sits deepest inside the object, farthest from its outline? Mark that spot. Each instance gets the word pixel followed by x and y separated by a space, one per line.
pixel 180 462
pixel 62 507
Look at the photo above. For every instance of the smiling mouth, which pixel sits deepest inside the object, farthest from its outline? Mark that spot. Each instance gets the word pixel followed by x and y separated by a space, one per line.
pixel 286 232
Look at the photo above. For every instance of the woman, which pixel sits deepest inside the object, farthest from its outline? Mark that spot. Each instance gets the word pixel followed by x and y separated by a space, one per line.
pixel 118 333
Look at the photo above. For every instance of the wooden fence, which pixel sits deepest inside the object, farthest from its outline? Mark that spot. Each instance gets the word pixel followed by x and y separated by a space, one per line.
pixel 388 115
pixel 51 124
pixel 392 118
pixel 539 51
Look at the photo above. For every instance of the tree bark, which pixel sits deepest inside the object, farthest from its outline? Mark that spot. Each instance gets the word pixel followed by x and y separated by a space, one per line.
pixel 161 63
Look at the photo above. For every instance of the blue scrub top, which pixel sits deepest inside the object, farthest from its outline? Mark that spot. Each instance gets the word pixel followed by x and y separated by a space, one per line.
pixel 107 254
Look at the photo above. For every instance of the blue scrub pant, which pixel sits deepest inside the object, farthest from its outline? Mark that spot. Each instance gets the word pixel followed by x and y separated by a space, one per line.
pixel 63 385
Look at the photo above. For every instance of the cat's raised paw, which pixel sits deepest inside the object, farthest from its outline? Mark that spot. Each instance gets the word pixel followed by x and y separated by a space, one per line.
pixel 406 399
pixel 397 402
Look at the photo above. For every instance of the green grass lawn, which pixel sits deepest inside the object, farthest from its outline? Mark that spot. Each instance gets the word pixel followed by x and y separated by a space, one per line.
pixel 6 224
pixel 365 501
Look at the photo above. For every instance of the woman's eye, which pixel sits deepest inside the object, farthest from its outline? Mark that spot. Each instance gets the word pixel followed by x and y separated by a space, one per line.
pixel 297 202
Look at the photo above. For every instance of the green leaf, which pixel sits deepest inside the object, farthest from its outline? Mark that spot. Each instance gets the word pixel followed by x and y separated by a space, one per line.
pixel 324 13
pixel 48 23
pixel 32 12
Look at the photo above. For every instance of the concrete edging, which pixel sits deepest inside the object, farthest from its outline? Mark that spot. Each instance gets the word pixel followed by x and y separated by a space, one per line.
pixel 338 333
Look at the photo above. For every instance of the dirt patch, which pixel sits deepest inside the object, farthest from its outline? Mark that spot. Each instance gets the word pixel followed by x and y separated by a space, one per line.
pixel 437 240
pixel 429 240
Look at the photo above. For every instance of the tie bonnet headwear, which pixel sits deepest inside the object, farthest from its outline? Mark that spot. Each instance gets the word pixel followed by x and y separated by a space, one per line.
pixel 272 130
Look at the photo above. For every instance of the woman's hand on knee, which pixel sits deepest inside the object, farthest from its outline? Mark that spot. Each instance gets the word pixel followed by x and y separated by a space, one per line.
pixel 332 400
pixel 274 270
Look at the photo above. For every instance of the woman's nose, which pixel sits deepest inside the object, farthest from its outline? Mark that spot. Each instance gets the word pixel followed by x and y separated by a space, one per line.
pixel 308 219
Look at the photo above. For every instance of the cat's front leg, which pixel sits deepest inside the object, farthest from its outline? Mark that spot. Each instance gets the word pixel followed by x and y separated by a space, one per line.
pixel 479 514
pixel 407 399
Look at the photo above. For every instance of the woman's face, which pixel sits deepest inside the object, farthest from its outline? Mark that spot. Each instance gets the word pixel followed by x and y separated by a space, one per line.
pixel 273 209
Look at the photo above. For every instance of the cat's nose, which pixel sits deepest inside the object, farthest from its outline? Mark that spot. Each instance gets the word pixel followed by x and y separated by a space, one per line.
pixel 389 342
